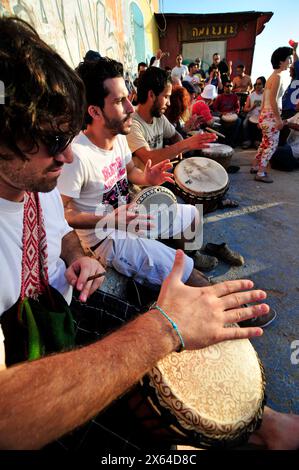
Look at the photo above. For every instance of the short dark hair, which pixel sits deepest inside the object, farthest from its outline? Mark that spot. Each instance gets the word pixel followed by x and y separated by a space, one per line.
pixel 153 79
pixel 43 95
pixel 92 55
pixel 94 75
pixel 262 79
pixel 141 64
pixel 280 55
pixel 192 64
pixel 241 66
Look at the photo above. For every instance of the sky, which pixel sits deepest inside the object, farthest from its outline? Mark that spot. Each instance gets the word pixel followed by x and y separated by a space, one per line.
pixel 284 24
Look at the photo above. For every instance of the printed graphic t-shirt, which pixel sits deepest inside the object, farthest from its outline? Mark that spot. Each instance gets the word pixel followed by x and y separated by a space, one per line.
pixel 96 178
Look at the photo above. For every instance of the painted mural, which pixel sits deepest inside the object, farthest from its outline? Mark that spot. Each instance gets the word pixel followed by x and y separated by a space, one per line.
pixel 121 29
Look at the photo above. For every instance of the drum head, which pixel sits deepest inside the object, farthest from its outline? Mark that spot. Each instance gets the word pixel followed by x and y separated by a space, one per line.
pixel 161 204
pixel 229 117
pixel 254 119
pixel 201 176
pixel 217 391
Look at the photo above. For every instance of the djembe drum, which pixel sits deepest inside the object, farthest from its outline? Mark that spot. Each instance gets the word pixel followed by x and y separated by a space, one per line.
pixel 221 153
pixel 229 118
pixel 200 180
pixel 212 397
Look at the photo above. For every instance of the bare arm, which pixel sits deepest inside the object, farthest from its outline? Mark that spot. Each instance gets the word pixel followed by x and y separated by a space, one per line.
pixel 195 142
pixel 71 248
pixel 51 396
pixel 77 219
pixel 54 395
pixel 274 88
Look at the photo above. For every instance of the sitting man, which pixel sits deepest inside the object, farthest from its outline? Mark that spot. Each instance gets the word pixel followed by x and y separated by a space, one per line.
pixel 202 105
pixel 286 157
pixel 54 395
pixel 227 105
pixel 242 85
pixel 150 128
pixel 97 180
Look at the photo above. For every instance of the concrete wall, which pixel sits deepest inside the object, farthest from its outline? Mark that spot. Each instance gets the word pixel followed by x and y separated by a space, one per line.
pixel 122 29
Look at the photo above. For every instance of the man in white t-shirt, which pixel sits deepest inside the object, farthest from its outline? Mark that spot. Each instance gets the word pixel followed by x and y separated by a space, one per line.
pixel 98 179
pixel 44 399
pixel 193 77
pixel 180 71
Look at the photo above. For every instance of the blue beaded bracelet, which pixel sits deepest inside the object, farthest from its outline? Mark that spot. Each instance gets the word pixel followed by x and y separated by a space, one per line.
pixel 173 324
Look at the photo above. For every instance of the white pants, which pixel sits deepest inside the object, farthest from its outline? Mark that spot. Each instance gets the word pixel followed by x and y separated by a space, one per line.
pixel 146 260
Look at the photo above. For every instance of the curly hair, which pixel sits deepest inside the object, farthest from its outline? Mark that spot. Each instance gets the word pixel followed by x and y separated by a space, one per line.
pixel 43 95
pixel 179 103
pixel 94 73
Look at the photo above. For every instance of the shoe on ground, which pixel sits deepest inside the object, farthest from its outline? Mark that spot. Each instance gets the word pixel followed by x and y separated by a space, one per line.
pixel 259 322
pixel 233 169
pixel 203 262
pixel 253 171
pixel 224 253
pixel 264 179
pixel 246 144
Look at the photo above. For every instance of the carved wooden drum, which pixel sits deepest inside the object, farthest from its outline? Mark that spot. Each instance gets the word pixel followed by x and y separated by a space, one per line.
pixel 200 180
pixel 208 397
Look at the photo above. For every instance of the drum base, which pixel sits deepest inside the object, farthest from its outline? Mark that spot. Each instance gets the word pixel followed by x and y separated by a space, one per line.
pixel 209 205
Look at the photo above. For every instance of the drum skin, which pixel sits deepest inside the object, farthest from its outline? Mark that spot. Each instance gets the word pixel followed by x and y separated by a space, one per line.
pixel 221 153
pixel 200 180
pixel 161 204
pixel 229 117
pixel 213 397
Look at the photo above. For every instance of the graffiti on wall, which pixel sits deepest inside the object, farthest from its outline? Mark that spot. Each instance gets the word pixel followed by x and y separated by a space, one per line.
pixel 121 29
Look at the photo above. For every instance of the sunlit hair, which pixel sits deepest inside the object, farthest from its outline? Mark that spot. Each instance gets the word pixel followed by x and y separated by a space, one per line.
pixel 43 95
pixel 94 75
pixel 179 104
pixel 280 55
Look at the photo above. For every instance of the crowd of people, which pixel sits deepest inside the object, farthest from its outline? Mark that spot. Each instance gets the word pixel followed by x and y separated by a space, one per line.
pixel 75 136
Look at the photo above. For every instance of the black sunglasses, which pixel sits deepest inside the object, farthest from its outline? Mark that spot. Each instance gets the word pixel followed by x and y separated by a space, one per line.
pixel 56 144
pixel 228 86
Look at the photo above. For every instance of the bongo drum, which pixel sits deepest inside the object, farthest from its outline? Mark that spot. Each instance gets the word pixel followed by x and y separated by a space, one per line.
pixel 229 118
pixel 212 397
pixel 200 180
pixel 221 153
pixel 161 204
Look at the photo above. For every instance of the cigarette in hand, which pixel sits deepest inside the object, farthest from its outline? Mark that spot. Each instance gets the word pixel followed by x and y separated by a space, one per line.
pixel 95 276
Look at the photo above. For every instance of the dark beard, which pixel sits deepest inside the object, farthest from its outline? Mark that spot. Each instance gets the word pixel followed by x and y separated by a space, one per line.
pixel 116 125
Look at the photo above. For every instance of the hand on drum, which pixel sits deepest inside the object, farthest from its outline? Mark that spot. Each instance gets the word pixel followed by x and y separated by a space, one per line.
pixel 201 313
pixel 128 218
pixel 157 174
pixel 200 141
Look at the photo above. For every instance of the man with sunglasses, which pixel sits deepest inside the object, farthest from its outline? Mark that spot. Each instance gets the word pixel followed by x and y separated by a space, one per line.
pixel 44 399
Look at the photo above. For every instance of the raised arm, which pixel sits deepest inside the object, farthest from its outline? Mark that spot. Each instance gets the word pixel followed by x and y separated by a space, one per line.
pixel 196 142
pixel 54 395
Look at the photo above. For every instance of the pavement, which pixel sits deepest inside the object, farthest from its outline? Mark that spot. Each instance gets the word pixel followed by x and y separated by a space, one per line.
pixel 265 230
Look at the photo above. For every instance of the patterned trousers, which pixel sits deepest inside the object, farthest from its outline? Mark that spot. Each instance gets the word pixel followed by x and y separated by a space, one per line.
pixel 270 139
